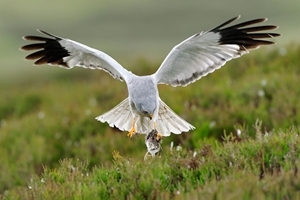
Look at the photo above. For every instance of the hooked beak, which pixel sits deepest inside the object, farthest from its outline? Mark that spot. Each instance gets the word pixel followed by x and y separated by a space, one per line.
pixel 150 116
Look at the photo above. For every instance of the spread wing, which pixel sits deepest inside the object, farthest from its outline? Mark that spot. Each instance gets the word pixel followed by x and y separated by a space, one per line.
pixel 205 52
pixel 68 54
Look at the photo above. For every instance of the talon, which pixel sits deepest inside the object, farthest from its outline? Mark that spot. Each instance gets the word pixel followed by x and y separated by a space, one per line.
pixel 132 131
pixel 158 137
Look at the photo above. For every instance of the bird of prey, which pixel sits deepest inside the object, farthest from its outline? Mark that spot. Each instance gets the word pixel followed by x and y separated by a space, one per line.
pixel 143 111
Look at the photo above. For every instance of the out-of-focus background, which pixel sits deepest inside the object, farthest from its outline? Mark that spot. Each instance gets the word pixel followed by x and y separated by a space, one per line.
pixel 127 30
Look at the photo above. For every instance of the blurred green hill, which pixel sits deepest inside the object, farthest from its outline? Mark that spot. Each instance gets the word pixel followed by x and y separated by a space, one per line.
pixel 126 30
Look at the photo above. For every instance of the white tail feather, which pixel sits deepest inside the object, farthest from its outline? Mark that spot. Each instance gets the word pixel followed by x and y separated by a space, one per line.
pixel 120 116
pixel 167 122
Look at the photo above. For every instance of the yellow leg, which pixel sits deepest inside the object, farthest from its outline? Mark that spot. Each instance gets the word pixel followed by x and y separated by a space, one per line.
pixel 158 135
pixel 132 131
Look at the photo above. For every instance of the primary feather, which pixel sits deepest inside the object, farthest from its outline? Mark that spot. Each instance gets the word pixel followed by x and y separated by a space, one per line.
pixel 205 52
pixel 68 54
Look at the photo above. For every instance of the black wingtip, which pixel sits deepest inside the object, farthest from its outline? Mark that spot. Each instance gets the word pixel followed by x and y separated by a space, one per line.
pixel 48 50
pixel 49 34
pixel 227 22
pixel 245 34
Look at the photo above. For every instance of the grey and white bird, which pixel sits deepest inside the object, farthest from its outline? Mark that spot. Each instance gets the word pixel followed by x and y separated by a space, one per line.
pixel 190 60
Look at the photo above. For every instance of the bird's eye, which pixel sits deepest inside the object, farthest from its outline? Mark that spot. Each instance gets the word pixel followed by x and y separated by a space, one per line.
pixel 145 112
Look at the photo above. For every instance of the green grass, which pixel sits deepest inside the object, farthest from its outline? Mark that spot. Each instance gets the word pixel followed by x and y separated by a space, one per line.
pixel 265 168
pixel 52 148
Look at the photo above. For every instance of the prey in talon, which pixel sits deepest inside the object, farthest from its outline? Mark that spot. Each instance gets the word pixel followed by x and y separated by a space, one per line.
pixel 152 141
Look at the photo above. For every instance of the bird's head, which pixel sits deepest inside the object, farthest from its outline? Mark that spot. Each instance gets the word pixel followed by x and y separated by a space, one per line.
pixel 147 114
pixel 147 109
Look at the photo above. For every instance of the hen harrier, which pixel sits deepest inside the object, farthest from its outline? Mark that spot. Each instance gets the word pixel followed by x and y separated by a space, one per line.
pixel 143 110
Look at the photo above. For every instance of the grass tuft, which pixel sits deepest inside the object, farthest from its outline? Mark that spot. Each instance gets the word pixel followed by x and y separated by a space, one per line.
pixel 264 166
